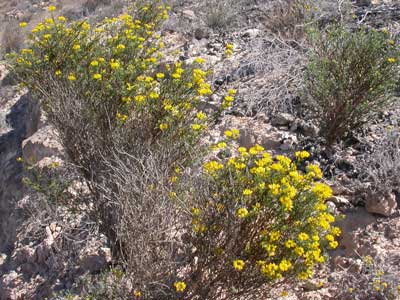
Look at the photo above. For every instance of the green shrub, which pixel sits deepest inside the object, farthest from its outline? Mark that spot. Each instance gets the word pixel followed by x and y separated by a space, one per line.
pixel 351 77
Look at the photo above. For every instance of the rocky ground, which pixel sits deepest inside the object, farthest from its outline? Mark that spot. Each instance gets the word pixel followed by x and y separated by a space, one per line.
pixel 42 252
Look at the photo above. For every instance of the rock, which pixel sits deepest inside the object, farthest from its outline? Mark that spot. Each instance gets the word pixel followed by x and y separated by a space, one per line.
pixel 282 119
pixel 363 2
pixel 8 283
pixel 3 258
pixel 307 128
pixel 289 143
pixel 95 260
pixel 201 33
pixel 251 33
pixel 339 201
pixel 40 145
pixel 247 138
pixel 188 13
pixel 382 204
pixel 355 221
pixel 271 140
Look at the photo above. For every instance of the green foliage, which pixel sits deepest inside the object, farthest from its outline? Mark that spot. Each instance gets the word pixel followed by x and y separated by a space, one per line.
pixel 351 77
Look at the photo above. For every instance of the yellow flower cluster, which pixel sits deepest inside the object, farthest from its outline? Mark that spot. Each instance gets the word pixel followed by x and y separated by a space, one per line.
pixel 180 286
pixel 281 212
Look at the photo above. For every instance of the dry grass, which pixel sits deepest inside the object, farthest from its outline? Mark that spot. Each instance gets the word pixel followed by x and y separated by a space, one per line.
pixel 277 76
pixel 12 38
pixel 382 166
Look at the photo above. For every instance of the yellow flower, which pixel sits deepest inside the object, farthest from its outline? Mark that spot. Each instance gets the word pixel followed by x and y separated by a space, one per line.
pixel 303 276
pixel 303 236
pixel 238 264
pixel 85 26
pixel 242 213
pixel 391 60
pixel 122 117
pixel 196 127
pixel 51 8
pixel 285 265
pixel 212 166
pixel 322 191
pixel 71 77
pixel 58 73
pixel 299 251
pixel 121 47
pixel 97 76
pixel 274 188
pixel 233 133
pixel 247 192
pixel 114 64
pixel 137 293
pixel 76 47
pixel 199 60
pixel 231 92
pixel 61 19
pixel 160 75
pixel 163 126
pixel 274 236
pixel 290 244
pixel 269 269
pixel 196 211
pixel 333 244
pixel 139 98
pixel 176 76
pixel 20 159
pixel 314 171
pixel 180 286
pixel 302 155
pixel 201 116
pixel 23 24
pixel 229 46
pixel 94 63
pixel 154 95
pixel 286 202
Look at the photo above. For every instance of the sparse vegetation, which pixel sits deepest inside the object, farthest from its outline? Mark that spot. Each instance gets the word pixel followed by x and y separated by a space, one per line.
pixel 12 39
pixel 162 189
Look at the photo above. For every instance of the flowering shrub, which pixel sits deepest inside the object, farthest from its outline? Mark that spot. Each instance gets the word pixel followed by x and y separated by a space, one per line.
pixel 260 221
pixel 351 77
pixel 111 79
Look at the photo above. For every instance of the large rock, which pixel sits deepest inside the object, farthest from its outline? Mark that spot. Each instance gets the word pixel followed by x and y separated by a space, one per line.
pixel 384 204
pixel 40 145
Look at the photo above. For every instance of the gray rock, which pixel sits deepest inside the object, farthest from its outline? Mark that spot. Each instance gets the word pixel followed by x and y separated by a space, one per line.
pixel 339 201
pixel 95 260
pixel 188 13
pixel 382 204
pixel 251 33
pixel 282 119
pixel 40 145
